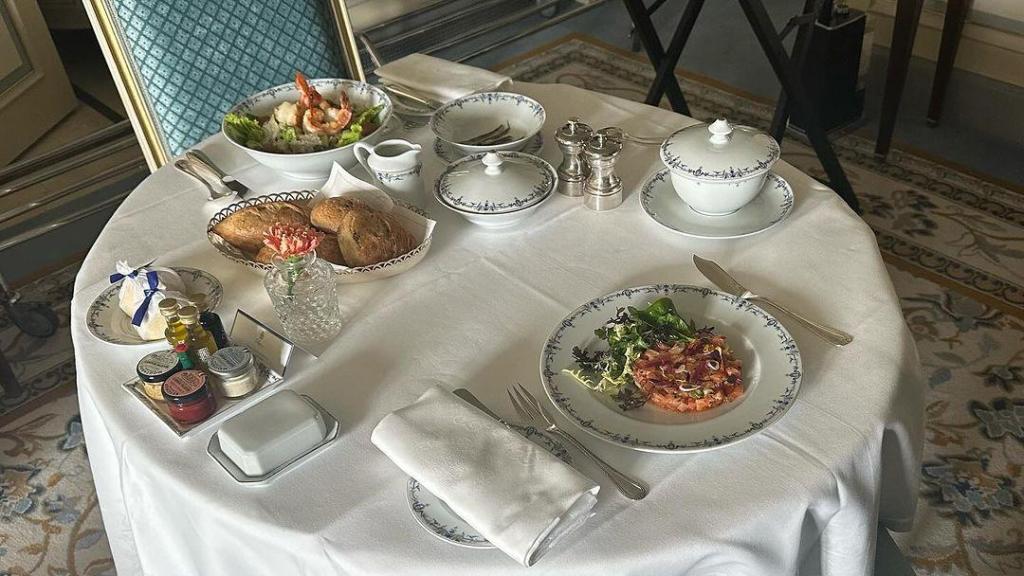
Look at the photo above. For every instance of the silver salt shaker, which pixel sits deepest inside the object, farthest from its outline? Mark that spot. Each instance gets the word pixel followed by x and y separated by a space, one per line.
pixel 603 190
pixel 572 137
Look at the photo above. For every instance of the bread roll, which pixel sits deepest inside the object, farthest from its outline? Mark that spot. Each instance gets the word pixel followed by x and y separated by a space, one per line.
pixel 327 215
pixel 244 229
pixel 367 237
pixel 329 250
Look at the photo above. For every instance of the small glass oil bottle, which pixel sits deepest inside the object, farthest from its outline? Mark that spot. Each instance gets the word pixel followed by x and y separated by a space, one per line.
pixel 209 319
pixel 200 342
pixel 176 332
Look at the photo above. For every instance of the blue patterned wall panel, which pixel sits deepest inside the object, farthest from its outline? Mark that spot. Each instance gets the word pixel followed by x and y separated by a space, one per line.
pixel 196 58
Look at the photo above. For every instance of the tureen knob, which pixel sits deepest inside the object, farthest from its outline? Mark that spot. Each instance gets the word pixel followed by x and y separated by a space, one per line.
pixel 493 162
pixel 720 130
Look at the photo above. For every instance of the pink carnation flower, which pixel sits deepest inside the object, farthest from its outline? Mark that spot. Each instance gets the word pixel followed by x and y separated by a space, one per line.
pixel 292 241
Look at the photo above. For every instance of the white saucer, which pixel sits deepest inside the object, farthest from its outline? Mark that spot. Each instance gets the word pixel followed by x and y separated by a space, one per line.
pixel 449 153
pixel 659 200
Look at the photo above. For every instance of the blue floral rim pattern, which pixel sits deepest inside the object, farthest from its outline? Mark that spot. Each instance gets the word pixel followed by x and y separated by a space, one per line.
pixel 449 153
pixel 678 164
pixel 536 195
pixel 779 405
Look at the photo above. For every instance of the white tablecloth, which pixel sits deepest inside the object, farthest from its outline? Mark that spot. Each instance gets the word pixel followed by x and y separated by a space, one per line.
pixel 803 497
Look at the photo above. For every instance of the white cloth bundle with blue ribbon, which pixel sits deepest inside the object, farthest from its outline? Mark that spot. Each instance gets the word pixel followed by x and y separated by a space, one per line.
pixel 140 294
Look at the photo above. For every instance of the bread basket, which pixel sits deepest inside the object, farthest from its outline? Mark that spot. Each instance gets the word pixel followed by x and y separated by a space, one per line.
pixel 345 274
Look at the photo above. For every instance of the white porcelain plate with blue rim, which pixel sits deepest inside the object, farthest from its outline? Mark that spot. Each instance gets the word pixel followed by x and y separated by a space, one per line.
pixel 109 323
pixel 437 518
pixel 659 200
pixel 449 153
pixel 769 355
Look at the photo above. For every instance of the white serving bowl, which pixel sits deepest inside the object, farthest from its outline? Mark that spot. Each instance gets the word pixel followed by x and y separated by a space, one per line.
pixel 477 114
pixel 719 168
pixel 495 189
pixel 313 165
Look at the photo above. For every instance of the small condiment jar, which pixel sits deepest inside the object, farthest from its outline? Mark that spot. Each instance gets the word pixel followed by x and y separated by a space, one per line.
pixel 234 368
pixel 188 397
pixel 209 319
pixel 604 188
pixel 572 137
pixel 154 369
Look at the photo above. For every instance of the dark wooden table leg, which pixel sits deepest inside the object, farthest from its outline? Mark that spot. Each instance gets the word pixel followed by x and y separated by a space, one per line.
pixel 908 14
pixel 952 29
pixel 800 48
pixel 791 83
pixel 675 50
pixel 8 382
pixel 655 53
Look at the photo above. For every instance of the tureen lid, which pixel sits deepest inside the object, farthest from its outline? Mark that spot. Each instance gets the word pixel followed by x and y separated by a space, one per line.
pixel 495 182
pixel 719 151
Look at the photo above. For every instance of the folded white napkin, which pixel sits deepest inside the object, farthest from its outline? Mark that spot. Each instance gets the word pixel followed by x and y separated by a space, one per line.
pixel 519 496
pixel 440 79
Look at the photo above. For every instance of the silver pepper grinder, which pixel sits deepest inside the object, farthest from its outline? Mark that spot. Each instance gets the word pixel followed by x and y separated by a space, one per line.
pixel 603 189
pixel 572 137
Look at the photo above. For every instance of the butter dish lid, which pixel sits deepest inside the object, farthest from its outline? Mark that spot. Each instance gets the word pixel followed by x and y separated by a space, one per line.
pixel 271 433
pixel 719 151
pixel 495 182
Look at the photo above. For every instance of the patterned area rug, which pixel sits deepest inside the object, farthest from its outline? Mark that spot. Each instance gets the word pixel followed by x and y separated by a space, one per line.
pixel 49 521
pixel 955 245
pixel 955 248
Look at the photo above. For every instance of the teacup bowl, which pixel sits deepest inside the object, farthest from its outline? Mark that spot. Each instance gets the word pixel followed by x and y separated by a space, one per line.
pixel 476 114
pixel 717 197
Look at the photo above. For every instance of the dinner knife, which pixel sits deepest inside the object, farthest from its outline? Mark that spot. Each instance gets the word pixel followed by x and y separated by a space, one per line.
pixel 720 278
pixel 199 157
pixel 469 397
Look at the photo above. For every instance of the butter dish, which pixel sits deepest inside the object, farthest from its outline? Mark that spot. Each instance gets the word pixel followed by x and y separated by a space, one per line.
pixel 272 436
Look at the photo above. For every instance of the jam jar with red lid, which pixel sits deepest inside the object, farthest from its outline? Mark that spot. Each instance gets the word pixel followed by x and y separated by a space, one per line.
pixel 188 397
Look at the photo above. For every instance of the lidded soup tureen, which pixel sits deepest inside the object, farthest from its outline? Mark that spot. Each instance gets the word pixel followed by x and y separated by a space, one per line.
pixel 495 189
pixel 718 168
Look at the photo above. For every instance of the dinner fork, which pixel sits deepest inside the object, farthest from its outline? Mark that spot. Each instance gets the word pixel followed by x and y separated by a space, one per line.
pixel 530 410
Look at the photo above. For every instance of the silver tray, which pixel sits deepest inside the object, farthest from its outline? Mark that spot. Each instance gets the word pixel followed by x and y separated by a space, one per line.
pixel 266 377
pixel 213 449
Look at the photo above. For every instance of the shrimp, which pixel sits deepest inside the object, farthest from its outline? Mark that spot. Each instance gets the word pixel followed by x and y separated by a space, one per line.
pixel 310 98
pixel 321 116
pixel 328 121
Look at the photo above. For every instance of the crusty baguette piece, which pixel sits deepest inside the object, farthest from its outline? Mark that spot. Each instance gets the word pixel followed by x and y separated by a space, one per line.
pixel 367 237
pixel 244 229
pixel 327 215
pixel 329 250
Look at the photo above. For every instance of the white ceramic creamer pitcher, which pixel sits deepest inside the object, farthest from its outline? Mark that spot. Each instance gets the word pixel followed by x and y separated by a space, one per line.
pixel 395 165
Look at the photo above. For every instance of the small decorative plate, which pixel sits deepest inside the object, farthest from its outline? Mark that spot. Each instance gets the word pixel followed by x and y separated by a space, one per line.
pixel 659 200
pixel 109 323
pixel 449 153
pixel 771 373
pixel 437 518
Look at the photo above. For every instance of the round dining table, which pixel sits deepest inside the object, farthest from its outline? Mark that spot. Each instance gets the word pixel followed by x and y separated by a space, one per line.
pixel 805 496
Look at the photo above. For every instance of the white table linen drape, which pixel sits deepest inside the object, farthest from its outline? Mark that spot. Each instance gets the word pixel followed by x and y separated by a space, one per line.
pixel 803 497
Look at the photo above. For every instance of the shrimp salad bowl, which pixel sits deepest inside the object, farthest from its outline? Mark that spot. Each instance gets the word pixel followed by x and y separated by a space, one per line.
pixel 303 128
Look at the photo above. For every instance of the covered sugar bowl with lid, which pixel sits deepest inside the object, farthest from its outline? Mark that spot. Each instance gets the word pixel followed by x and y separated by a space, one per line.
pixel 495 189
pixel 718 168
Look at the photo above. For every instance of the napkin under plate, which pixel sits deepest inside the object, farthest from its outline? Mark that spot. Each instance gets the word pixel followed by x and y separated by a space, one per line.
pixel 440 79
pixel 519 496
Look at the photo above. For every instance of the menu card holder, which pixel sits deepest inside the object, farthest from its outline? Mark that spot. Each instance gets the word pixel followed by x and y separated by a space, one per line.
pixel 268 346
